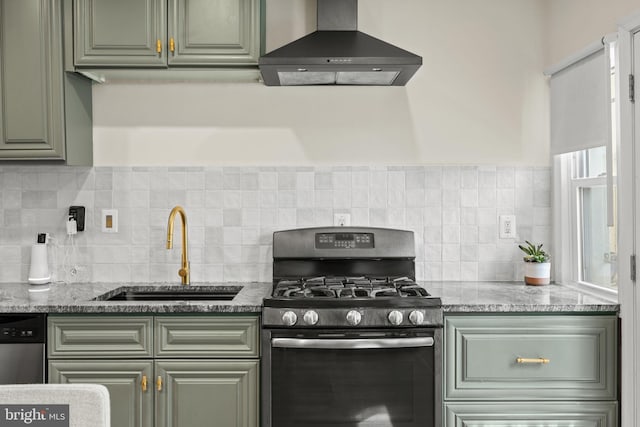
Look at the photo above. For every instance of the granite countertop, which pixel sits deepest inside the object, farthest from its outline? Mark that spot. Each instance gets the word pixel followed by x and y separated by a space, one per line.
pixel 79 298
pixel 469 297
pixel 457 297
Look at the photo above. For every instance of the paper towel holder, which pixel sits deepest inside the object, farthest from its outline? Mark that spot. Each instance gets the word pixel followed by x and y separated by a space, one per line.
pixel 39 273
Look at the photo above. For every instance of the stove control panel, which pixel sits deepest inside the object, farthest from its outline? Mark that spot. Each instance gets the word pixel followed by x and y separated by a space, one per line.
pixel 344 241
pixel 362 317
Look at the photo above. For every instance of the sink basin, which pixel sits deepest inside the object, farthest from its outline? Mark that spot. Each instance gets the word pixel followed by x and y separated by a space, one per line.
pixel 171 293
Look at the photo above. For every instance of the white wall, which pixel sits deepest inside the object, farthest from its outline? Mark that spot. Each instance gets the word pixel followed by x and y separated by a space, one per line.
pixel 574 24
pixel 479 98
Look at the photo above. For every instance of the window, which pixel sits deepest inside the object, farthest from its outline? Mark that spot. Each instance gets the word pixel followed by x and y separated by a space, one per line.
pixel 584 142
pixel 594 252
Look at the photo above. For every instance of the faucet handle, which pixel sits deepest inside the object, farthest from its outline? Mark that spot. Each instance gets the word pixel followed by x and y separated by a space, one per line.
pixel 184 274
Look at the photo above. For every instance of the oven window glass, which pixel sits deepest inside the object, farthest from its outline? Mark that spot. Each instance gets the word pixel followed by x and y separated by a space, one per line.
pixel 353 388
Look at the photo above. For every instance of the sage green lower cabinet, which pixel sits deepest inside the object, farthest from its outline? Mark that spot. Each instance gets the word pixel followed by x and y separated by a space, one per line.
pixel 219 337
pixel 529 414
pixel 530 369
pixel 163 371
pixel 79 337
pixel 131 406
pixel 207 393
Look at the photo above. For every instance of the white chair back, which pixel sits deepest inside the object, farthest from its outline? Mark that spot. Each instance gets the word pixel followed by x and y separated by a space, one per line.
pixel 88 403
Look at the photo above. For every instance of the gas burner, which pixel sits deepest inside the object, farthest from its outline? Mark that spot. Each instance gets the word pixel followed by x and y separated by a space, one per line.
pixel 348 287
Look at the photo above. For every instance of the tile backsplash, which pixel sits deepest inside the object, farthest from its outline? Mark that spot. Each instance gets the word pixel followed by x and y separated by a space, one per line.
pixel 233 211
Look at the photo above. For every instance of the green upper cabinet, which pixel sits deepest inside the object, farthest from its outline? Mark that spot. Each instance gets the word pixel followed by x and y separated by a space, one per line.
pixel 214 32
pixel 166 33
pixel 120 33
pixel 45 113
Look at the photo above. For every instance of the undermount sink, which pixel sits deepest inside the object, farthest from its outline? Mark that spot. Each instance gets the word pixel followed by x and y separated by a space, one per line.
pixel 171 293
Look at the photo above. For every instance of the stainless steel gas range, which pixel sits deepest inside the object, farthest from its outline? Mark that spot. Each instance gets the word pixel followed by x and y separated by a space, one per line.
pixel 349 338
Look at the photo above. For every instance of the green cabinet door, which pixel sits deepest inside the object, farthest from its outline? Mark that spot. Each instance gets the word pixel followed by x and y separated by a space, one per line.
pixel 45 113
pixel 214 32
pixel 130 384
pixel 31 87
pixel 207 393
pixel 123 33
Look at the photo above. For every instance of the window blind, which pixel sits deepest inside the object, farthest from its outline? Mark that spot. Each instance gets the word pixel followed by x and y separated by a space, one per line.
pixel 580 110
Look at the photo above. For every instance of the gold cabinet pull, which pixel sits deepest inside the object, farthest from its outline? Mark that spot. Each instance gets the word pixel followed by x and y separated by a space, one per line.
pixel 143 383
pixel 538 360
pixel 159 383
pixel 172 45
pixel 159 46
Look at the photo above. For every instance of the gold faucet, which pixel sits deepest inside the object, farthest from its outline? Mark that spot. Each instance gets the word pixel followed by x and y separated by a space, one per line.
pixel 184 269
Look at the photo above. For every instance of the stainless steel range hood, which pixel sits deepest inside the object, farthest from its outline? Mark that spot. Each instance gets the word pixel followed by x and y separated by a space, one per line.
pixel 337 53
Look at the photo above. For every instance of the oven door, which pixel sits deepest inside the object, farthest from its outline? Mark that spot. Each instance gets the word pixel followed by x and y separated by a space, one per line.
pixel 347 379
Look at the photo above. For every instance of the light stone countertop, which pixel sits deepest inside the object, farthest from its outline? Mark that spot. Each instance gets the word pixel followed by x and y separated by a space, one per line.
pixel 457 297
pixel 481 297
pixel 79 298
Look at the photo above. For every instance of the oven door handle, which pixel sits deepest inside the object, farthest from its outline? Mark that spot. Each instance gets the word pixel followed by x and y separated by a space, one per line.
pixel 352 343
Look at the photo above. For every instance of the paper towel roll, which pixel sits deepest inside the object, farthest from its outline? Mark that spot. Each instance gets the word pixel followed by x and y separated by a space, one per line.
pixel 39 269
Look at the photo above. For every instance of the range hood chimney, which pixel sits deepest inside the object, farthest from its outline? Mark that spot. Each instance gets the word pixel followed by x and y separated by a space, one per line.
pixel 338 54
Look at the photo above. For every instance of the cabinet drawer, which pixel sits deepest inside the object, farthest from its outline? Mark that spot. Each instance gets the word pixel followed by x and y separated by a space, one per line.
pixel 200 336
pixel 542 414
pixel 99 337
pixel 482 352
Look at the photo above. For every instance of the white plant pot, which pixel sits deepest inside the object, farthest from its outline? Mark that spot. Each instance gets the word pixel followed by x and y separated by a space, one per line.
pixel 537 273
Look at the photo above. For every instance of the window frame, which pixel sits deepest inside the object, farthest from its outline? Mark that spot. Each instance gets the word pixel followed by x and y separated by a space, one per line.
pixel 568 264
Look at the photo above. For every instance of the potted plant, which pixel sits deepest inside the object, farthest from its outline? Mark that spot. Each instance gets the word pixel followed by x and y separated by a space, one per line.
pixel 537 268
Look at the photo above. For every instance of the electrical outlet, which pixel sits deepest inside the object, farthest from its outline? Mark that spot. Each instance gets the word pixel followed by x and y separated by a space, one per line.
pixel 109 220
pixel 507 226
pixel 341 219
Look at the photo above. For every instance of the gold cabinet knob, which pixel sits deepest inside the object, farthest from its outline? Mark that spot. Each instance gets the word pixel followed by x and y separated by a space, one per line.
pixel 159 46
pixel 172 45
pixel 159 383
pixel 143 383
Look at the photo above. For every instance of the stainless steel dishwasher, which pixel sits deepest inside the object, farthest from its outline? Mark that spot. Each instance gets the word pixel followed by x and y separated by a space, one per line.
pixel 22 348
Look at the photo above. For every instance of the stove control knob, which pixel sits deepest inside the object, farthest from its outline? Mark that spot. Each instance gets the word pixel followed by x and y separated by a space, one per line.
pixel 310 317
pixel 416 317
pixel 289 318
pixel 395 318
pixel 354 317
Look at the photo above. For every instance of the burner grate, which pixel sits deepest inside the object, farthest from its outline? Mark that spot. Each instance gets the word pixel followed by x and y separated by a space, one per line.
pixel 348 287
